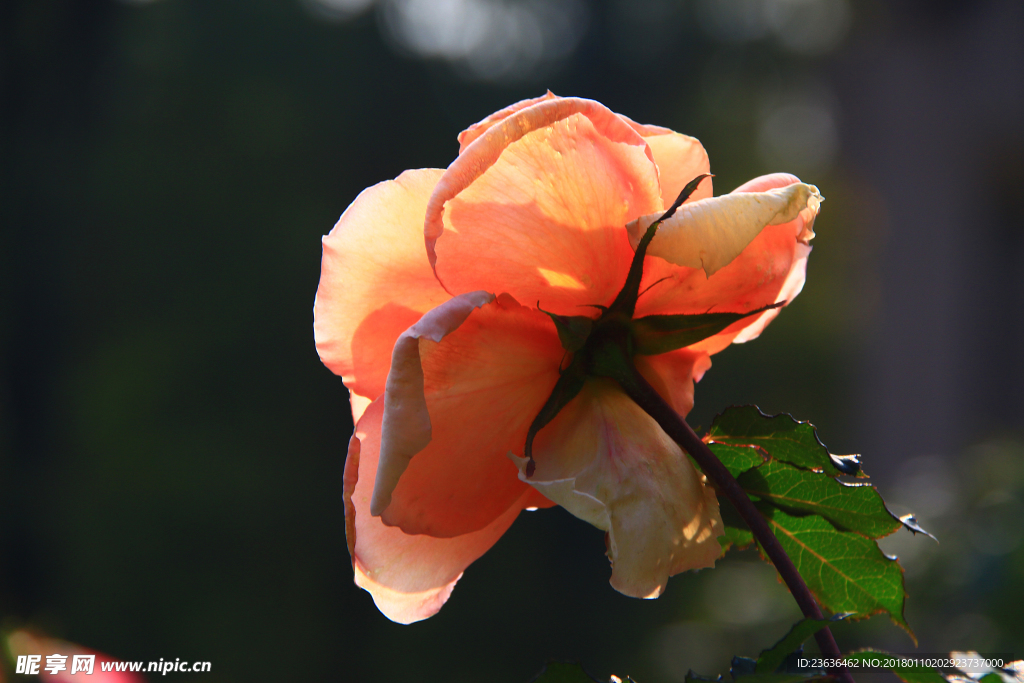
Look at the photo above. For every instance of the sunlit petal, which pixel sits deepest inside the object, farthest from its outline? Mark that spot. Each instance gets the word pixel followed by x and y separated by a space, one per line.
pixel 546 189
pixel 375 281
pixel 410 577
pixel 456 404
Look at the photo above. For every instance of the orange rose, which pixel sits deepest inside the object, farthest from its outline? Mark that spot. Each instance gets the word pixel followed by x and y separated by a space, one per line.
pixel 429 309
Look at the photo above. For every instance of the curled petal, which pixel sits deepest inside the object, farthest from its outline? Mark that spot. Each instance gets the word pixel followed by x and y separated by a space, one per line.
pixel 375 282
pixel 710 233
pixel 535 206
pixel 410 577
pixel 406 429
pixel 477 129
pixel 456 403
pixel 769 270
pixel 607 462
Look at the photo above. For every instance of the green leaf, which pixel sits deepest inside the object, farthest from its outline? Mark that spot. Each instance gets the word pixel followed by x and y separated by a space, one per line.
pixel 915 673
pixel 991 677
pixel 780 436
pixel 846 571
pixel 851 507
pixel 561 672
pixel 771 659
pixel 654 334
pixel 737 533
pixel 738 459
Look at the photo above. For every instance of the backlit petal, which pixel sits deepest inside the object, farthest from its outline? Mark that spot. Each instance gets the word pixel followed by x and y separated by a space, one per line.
pixel 535 206
pixel 407 428
pixel 607 462
pixel 409 577
pixel 680 159
pixel 481 386
pixel 769 270
pixel 477 129
pixel 375 281
pixel 710 233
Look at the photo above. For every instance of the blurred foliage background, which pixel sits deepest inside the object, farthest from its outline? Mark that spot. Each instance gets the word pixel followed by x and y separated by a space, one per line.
pixel 171 448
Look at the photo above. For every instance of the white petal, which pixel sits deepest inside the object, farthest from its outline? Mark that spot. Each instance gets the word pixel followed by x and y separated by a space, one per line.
pixel 608 463
pixel 710 233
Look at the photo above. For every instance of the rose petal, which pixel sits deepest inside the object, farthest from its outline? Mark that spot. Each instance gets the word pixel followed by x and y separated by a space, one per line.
pixel 710 233
pixel 375 281
pixel 769 270
pixel 680 159
pixel 477 129
pixel 407 429
pixel 535 206
pixel 672 375
pixel 607 462
pixel 482 385
pixel 409 577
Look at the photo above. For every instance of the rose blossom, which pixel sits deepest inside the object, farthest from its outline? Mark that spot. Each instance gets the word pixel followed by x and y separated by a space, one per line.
pixel 429 309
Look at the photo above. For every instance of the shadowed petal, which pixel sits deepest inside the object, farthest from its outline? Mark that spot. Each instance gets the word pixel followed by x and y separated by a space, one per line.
pixel 409 577
pixel 608 462
pixel 375 281
pixel 769 270
pixel 535 206
pixel 481 382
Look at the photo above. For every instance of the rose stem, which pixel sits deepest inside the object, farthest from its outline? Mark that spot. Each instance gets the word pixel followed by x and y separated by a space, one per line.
pixel 679 431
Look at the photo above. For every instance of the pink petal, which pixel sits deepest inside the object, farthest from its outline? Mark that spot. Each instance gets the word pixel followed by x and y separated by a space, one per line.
pixel 375 281
pixel 407 429
pixel 409 577
pixel 477 129
pixel 672 375
pixel 481 383
pixel 680 159
pixel 770 269
pixel 607 462
pixel 535 206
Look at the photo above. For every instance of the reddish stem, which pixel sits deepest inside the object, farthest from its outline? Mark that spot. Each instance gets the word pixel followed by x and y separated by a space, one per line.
pixel 677 428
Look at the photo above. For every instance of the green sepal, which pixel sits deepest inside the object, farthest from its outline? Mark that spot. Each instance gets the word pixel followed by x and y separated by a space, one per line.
pixel 915 673
pixel 850 507
pixel 569 384
pixel 771 659
pixel 655 334
pixel 780 436
pixel 625 301
pixel 573 330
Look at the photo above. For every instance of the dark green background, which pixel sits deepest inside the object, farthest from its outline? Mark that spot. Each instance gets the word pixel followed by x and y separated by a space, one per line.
pixel 171 448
